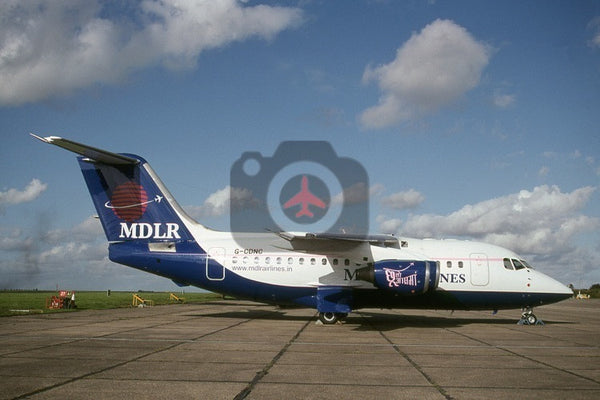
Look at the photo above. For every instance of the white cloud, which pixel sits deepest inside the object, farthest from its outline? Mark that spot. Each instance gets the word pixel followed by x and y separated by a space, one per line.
pixel 376 189
pixel 52 48
pixel 13 240
pixel 542 225
pixel 43 257
pixel 596 40
pixel 84 242
pixel 403 200
pixel 432 69
pixel 574 158
pixel 74 258
pixel 16 196
pixel 543 220
pixel 503 100
pixel 388 225
pixel 594 25
pixel 89 230
pixel 220 202
pixel 357 194
pixel 589 160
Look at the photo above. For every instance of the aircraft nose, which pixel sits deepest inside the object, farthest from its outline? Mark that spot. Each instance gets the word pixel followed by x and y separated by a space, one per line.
pixel 555 290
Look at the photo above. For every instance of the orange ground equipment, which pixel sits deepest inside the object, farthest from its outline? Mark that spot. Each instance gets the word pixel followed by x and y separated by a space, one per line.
pixel 64 300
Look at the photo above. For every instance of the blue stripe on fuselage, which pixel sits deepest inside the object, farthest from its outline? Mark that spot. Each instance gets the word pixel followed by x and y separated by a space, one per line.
pixel 188 266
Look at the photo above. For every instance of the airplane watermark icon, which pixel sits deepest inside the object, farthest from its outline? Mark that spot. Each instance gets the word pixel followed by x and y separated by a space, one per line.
pixel 264 191
pixel 305 198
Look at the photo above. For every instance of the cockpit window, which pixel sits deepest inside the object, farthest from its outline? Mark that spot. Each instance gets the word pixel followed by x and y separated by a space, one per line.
pixel 517 264
pixel 507 264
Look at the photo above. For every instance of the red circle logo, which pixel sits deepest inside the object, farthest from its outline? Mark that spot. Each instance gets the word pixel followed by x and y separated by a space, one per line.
pixel 129 201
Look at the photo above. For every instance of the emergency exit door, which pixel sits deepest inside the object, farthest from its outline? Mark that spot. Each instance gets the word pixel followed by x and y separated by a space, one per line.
pixel 215 258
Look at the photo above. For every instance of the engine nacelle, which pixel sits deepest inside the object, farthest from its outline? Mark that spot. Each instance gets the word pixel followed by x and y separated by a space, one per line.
pixel 406 277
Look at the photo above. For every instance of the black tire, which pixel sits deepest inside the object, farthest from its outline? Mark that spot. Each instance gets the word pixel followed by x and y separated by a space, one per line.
pixel 341 316
pixel 328 318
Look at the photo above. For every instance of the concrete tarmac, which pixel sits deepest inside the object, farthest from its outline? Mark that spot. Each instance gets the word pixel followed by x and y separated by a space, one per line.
pixel 245 350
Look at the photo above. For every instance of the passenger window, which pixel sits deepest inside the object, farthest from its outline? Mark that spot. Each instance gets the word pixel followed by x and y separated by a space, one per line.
pixel 313 261
pixel 460 264
pixel 290 260
pixel 324 261
pixel 449 264
pixel 256 260
pixel 268 260
pixel 346 262
pixel 234 260
pixel 507 264
pixel 245 260
pixel 517 264
pixel 335 261
pixel 301 260
pixel 278 260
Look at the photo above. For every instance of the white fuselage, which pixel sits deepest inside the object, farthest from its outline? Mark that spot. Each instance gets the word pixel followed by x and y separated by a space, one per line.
pixel 464 265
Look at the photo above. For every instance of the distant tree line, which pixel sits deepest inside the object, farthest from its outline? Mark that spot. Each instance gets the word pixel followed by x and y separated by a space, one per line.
pixel 593 291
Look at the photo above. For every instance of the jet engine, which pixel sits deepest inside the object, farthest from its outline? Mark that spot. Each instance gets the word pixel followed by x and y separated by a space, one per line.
pixel 405 277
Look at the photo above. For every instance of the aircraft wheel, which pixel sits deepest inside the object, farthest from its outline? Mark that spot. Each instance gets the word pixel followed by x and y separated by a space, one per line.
pixel 341 316
pixel 328 318
pixel 531 319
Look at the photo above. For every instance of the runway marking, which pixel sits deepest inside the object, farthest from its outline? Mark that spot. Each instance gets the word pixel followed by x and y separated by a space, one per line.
pixel 560 338
pixel 410 360
pixel 506 349
pixel 73 339
pixel 259 375
pixel 119 364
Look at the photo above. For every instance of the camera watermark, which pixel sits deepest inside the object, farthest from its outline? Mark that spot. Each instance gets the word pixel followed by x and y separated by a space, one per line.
pixel 304 187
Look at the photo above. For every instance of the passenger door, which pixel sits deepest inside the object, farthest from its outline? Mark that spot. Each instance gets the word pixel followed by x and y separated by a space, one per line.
pixel 480 272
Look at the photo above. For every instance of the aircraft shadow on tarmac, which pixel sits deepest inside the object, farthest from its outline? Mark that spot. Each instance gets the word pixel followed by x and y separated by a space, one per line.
pixel 385 322
pixel 256 314
pixel 374 321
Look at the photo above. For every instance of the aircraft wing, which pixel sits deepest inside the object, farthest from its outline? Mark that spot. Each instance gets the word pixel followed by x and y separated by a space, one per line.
pixel 308 241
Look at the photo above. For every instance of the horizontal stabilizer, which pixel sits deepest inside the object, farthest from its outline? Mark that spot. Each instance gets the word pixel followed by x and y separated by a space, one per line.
pixel 94 154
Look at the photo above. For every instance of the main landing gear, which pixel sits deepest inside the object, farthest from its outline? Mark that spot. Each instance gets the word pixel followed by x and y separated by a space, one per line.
pixel 529 318
pixel 330 318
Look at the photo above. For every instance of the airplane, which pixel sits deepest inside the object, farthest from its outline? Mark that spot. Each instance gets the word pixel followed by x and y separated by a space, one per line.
pixel 305 198
pixel 330 272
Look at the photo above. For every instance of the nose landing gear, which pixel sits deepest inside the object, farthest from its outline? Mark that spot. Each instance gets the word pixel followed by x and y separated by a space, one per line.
pixel 529 318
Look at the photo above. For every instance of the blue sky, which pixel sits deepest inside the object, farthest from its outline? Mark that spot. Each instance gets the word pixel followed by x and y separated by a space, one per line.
pixel 474 120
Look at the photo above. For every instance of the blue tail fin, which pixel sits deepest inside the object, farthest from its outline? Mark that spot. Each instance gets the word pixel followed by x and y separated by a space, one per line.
pixel 130 204
pixel 131 201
